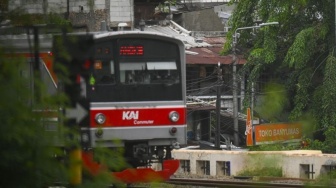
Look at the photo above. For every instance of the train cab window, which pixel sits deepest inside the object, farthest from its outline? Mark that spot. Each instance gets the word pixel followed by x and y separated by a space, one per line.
pixel 163 72
pixel 132 73
pixel 148 72
pixel 104 72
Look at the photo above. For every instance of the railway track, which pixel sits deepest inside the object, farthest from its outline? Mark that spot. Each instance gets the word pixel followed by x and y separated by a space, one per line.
pixel 263 182
pixel 290 183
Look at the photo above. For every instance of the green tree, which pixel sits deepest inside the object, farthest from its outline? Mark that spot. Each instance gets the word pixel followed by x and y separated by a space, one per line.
pixel 299 52
pixel 28 155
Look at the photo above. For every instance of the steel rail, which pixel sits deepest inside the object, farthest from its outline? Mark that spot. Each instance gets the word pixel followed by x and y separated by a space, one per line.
pixel 240 183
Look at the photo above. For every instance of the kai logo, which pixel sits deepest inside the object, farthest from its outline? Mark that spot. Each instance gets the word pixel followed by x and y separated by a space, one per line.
pixel 128 115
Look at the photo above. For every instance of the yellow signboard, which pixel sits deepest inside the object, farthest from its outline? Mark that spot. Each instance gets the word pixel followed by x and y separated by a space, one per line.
pixel 277 132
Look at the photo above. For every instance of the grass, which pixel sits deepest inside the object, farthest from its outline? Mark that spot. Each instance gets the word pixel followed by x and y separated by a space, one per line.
pixel 264 171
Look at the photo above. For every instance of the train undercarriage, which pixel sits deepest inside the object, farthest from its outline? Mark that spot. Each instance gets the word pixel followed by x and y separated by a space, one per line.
pixel 145 163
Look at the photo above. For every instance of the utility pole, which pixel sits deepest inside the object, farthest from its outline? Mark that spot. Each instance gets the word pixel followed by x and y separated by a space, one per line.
pixel 252 109
pixel 234 77
pixel 218 106
pixel 234 94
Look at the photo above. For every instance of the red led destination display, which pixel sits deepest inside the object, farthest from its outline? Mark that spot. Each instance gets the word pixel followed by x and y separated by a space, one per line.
pixel 132 50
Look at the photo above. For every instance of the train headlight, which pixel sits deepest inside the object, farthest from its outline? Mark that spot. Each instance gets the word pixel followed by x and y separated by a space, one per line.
pixel 174 116
pixel 100 118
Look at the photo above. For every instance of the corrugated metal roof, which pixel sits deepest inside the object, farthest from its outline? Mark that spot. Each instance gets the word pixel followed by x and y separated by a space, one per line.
pixel 215 40
pixel 198 50
pixel 189 41
pixel 210 56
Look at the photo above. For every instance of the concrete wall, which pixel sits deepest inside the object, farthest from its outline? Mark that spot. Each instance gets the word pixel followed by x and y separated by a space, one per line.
pixel 121 11
pixel 81 12
pixel 57 6
pixel 92 20
pixel 203 20
pixel 307 164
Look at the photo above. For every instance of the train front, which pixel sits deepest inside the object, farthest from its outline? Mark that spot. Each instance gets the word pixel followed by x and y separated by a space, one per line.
pixel 134 86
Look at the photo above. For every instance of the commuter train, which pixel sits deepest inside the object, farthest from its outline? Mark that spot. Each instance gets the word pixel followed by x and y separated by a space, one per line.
pixel 127 90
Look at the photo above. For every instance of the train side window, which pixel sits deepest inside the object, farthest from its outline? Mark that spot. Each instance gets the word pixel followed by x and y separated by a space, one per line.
pixel 104 72
pixel 112 67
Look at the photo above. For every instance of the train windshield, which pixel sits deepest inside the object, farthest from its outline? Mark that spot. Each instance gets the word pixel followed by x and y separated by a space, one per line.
pixel 149 72
pixel 127 69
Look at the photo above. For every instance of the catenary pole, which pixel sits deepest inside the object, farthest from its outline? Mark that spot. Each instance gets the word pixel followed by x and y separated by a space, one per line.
pixel 218 106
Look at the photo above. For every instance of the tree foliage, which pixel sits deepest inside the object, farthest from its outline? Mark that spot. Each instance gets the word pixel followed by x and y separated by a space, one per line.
pixel 29 157
pixel 25 149
pixel 299 52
